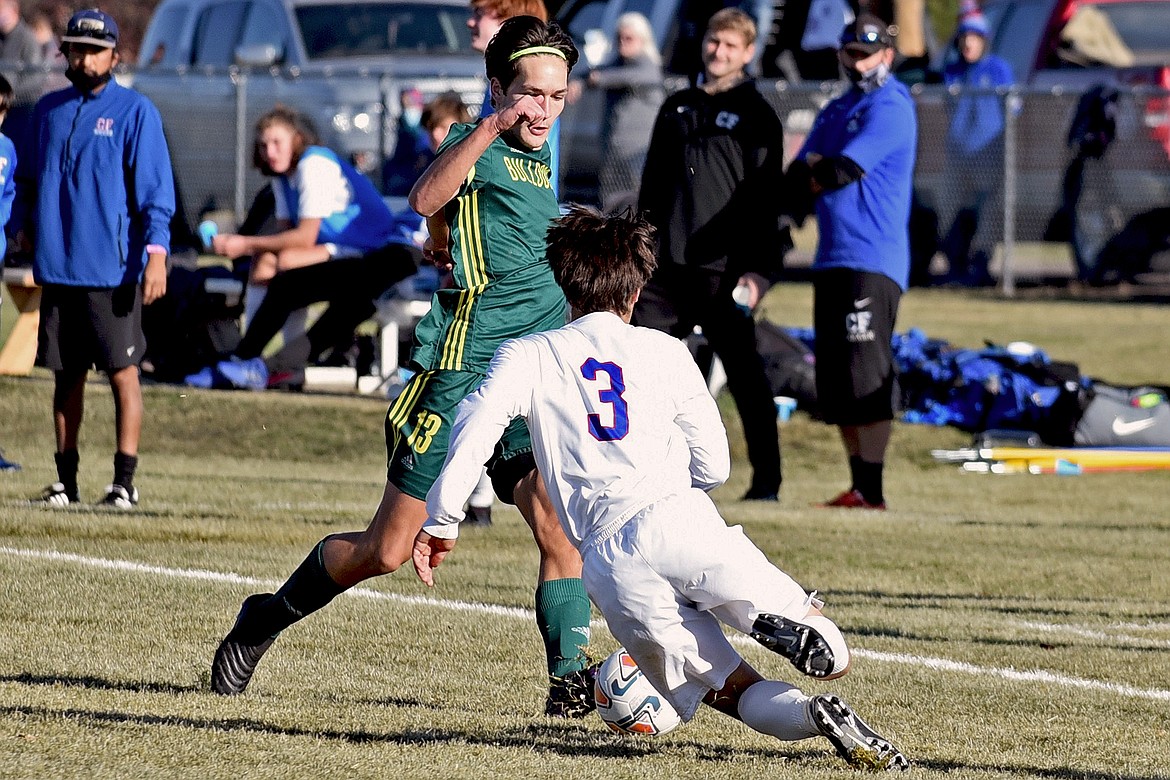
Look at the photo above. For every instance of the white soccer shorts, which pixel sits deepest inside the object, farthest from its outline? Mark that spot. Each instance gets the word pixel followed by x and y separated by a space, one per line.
pixel 666 579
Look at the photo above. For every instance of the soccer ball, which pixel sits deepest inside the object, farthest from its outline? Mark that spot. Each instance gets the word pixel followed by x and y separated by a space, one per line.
pixel 627 702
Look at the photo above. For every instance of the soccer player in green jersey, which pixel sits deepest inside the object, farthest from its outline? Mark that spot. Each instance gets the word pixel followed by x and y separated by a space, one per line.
pixel 488 200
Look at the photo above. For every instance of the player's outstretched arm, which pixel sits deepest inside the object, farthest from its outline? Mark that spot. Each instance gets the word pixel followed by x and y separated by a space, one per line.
pixel 429 552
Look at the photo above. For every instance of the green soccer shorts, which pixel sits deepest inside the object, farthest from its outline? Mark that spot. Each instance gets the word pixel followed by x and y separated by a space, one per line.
pixel 418 429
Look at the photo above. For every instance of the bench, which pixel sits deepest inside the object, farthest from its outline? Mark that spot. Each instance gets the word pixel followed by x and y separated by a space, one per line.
pixel 394 317
pixel 20 350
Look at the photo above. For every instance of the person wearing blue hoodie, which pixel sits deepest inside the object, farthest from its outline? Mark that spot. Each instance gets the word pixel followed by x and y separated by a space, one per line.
pixel 970 205
pixel 7 195
pixel 95 198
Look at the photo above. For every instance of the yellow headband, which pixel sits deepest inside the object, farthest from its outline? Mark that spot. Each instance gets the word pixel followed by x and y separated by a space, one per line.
pixel 538 50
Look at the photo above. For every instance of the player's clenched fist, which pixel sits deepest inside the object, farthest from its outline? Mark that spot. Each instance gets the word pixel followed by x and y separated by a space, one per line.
pixel 518 109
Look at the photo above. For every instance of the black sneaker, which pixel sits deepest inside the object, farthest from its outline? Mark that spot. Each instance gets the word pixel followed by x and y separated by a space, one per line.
pixel 56 495
pixel 237 656
pixel 801 644
pixel 120 498
pixel 855 741
pixel 760 494
pixel 571 696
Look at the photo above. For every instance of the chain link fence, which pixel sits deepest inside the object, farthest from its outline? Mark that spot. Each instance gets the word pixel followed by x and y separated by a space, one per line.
pixel 1087 172
pixel 1090 172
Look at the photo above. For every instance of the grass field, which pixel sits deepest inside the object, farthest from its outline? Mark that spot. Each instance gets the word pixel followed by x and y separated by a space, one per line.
pixel 1004 627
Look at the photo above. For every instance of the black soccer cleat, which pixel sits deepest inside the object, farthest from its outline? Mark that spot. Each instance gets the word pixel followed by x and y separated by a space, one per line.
pixel 238 654
pixel 571 696
pixel 854 740
pixel 801 644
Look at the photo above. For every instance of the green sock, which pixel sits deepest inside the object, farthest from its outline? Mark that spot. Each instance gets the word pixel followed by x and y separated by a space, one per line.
pixel 307 590
pixel 562 615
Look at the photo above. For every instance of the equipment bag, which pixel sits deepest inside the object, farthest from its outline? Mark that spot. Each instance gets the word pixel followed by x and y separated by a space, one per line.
pixel 1125 417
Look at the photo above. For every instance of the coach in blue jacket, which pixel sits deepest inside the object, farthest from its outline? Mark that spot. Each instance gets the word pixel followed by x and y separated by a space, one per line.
pixel 855 171
pixel 95 199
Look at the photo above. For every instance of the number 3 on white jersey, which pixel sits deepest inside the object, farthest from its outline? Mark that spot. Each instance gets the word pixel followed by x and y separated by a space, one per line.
pixel 611 395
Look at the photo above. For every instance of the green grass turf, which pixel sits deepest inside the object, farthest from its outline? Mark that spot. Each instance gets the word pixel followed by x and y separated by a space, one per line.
pixel 103 671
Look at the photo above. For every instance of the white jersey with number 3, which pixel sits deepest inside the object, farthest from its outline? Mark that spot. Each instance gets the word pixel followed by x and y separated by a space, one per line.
pixel 620 417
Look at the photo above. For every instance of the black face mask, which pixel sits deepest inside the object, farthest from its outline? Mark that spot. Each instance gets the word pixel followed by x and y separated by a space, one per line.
pixel 84 82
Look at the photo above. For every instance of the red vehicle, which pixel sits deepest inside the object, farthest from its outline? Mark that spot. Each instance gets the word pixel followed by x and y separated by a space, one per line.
pixel 1076 44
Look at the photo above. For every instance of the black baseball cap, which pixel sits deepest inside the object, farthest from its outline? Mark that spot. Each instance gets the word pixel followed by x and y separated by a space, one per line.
pixel 92 26
pixel 866 34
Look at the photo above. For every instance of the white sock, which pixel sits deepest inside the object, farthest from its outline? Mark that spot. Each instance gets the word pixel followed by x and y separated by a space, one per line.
pixel 253 297
pixel 833 638
pixel 294 326
pixel 483 495
pixel 777 709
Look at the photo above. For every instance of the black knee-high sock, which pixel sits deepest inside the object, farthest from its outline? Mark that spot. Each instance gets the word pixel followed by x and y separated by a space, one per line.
pixel 67 463
pixel 854 468
pixel 307 590
pixel 869 481
pixel 124 467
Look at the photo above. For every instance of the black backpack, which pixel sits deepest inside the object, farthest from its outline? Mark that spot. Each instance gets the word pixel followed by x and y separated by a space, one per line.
pixel 189 327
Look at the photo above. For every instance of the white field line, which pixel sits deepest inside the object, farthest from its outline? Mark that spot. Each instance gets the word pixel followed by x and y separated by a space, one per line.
pixel 1095 633
pixel 939 664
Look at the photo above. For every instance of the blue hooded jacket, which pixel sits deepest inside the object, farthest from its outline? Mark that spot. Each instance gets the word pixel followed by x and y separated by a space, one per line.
pixel 978 118
pixel 95 180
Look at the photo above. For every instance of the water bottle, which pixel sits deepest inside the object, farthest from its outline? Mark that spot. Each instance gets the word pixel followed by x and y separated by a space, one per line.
pixel 207 231
pixel 742 295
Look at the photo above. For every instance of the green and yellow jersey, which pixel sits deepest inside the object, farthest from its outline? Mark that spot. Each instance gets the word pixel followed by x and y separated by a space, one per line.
pixel 504 287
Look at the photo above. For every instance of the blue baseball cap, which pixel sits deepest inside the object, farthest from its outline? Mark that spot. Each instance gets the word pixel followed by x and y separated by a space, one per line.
pixel 92 26
pixel 974 23
pixel 866 34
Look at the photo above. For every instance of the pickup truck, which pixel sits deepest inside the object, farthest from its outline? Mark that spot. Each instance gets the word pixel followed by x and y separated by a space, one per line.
pixel 212 67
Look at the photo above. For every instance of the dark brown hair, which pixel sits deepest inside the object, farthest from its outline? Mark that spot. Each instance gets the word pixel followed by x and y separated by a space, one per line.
pixel 524 32
pixel 6 94
pixel 304 136
pixel 601 261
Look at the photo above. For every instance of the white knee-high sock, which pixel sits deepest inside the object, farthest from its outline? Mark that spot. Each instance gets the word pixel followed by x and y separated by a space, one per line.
pixel 777 709
pixel 294 326
pixel 833 638
pixel 253 297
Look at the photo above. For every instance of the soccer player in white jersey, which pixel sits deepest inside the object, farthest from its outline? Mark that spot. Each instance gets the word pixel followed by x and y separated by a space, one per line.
pixel 628 440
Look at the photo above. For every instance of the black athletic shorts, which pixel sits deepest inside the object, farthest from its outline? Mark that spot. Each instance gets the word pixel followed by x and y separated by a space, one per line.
pixel 90 326
pixel 854 314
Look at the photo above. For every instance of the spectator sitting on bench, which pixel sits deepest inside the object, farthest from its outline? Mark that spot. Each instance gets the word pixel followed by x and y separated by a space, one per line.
pixel 337 242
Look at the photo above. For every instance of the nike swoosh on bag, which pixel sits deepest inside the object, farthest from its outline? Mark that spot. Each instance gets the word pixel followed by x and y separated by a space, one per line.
pixel 1123 428
pixel 861 303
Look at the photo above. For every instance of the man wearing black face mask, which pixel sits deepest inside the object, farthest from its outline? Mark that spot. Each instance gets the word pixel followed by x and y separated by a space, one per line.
pixel 855 171
pixel 95 200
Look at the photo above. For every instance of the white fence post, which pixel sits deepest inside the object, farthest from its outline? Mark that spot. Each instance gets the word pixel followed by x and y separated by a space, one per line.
pixel 1010 180
pixel 241 79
